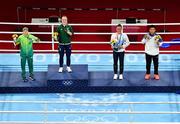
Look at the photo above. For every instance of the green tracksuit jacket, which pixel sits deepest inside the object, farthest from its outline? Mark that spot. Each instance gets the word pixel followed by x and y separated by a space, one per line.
pixel 26 52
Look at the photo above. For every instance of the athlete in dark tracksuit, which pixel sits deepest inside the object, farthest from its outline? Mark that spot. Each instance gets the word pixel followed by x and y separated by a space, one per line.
pixel 64 43
pixel 65 33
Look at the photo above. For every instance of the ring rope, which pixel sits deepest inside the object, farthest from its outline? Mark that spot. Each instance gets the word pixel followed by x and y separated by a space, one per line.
pixel 56 24
pixel 89 51
pixel 60 102
pixel 92 42
pixel 89 112
pixel 47 122
pixel 91 33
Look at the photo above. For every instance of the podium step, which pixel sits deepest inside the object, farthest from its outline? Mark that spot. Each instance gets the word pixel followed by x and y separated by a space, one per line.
pixel 77 78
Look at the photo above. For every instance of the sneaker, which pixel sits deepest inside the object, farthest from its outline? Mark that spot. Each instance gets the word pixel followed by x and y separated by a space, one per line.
pixel 68 69
pixel 25 80
pixel 60 70
pixel 147 77
pixel 32 79
pixel 115 77
pixel 156 77
pixel 121 77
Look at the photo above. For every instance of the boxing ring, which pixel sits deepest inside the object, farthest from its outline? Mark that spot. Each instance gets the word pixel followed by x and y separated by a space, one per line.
pixel 114 108
pixel 96 63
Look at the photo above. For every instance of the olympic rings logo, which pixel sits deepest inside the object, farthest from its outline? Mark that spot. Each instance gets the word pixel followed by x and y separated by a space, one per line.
pixel 67 82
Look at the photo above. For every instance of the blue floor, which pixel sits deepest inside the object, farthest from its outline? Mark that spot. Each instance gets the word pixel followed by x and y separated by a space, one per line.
pixel 10 62
pixel 89 98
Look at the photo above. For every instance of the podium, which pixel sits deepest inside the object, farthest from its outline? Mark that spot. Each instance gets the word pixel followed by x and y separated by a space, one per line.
pixel 77 78
pixel 82 81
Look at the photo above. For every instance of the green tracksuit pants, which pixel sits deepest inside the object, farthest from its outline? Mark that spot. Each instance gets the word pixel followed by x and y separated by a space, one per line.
pixel 29 60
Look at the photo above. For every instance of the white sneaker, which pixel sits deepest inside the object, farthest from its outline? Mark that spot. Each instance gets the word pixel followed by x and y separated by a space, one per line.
pixel 121 77
pixel 68 69
pixel 60 70
pixel 115 77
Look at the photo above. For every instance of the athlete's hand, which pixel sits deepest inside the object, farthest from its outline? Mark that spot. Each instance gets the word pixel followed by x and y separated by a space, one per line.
pixel 146 37
pixel 112 46
pixel 38 40
pixel 122 47
pixel 70 33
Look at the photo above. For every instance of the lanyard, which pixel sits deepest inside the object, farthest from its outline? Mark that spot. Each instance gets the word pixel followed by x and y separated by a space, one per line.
pixel 119 40
pixel 119 37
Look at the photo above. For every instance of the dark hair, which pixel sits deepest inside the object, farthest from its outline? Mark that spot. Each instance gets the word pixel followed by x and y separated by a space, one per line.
pixel 152 26
pixel 119 25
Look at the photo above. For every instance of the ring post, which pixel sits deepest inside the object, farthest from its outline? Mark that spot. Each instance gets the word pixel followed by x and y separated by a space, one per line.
pixel 52 32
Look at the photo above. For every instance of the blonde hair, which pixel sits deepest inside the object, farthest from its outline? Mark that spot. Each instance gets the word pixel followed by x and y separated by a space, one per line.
pixel 25 29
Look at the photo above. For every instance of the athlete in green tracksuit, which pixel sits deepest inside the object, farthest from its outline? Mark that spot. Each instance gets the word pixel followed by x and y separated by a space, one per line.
pixel 26 41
